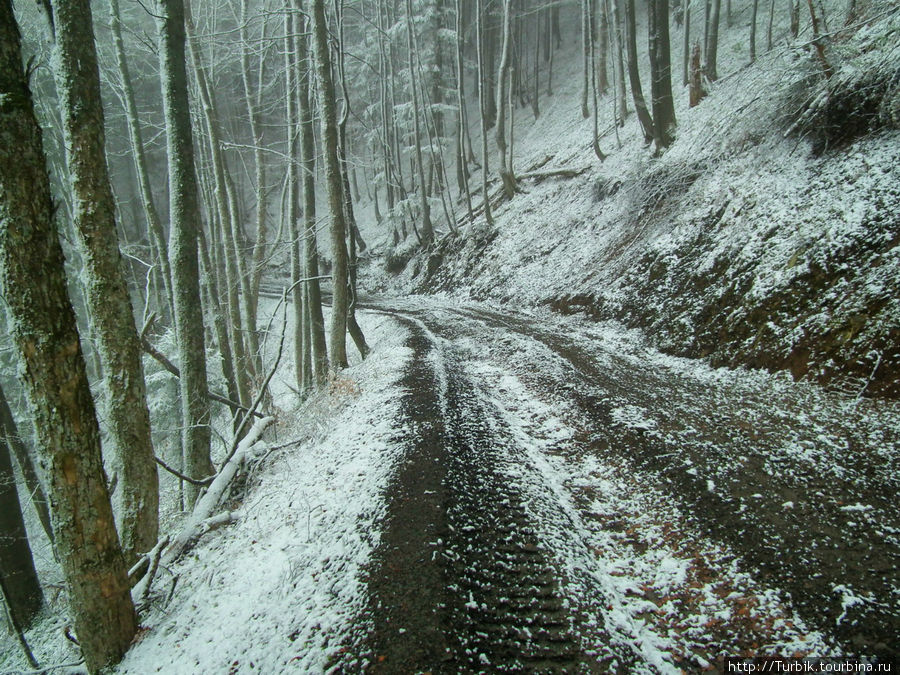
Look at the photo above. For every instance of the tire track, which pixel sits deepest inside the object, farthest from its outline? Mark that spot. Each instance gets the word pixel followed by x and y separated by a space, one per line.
pixel 461 581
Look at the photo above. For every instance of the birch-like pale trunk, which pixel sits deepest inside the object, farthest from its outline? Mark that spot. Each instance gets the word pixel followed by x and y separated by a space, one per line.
pixel 503 106
pixel 479 40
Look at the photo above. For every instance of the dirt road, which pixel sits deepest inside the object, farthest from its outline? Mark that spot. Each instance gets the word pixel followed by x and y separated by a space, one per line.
pixel 571 501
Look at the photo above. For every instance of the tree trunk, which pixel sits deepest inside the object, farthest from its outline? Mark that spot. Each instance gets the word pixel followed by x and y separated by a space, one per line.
pixel 151 215
pixel 251 299
pixel 504 82
pixel 697 92
pixel 712 46
pixel 586 56
pixel 319 353
pixel 25 460
pixel 622 108
pixel 22 589
pixel 479 26
pixel 686 43
pixel 116 339
pixel 462 172
pixel 634 77
pixel 661 74
pixel 427 229
pixel 52 370
pixel 226 235
pixel 753 31
pixel 292 203
pixel 184 216
pixel 340 270
pixel 602 42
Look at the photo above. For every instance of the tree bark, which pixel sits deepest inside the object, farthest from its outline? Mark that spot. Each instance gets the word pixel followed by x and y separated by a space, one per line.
pixel 712 46
pixel 634 77
pixel 116 339
pixel 427 229
pixel 22 589
pixel 52 370
pixel 318 346
pixel 504 83
pixel 661 74
pixel 753 31
pixel 184 217
pixel 479 21
pixel 340 266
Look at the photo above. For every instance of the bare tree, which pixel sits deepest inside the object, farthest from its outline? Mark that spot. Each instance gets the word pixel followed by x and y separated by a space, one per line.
pixel 184 217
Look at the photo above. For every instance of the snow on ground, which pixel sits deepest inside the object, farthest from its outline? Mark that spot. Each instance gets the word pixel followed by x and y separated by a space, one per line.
pixel 275 591
pixel 670 592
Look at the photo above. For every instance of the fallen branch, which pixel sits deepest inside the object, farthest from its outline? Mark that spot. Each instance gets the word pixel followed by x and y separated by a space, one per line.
pixel 141 590
pixel 262 390
pixel 201 482
pixel 553 173
pixel 161 358
pixel 208 503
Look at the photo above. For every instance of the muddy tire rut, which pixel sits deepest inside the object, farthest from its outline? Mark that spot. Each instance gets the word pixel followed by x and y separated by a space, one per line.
pixel 461 581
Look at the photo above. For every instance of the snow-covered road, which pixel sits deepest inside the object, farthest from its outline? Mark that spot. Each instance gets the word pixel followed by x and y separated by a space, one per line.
pixel 571 500
pixel 493 491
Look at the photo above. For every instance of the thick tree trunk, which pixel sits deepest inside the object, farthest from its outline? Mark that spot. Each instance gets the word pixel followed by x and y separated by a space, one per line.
pixel 661 74
pixel 712 46
pixel 503 84
pixel 184 216
pixel 634 76
pixel 340 266
pixel 51 367
pixel 116 339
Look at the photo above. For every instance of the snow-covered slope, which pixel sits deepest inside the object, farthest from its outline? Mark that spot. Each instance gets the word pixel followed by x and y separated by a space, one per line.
pixel 766 235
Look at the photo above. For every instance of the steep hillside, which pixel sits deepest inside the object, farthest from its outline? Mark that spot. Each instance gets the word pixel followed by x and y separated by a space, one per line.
pixel 765 236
